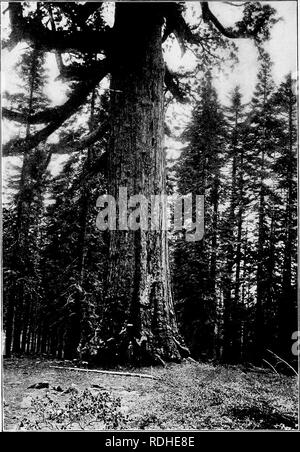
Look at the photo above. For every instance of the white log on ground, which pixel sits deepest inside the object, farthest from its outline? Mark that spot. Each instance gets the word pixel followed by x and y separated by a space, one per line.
pixel 111 372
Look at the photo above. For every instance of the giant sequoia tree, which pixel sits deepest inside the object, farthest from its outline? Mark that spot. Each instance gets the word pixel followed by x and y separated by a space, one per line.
pixel 138 317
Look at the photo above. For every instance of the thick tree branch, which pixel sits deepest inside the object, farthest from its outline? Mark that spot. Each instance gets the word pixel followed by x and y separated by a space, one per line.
pixel 255 25
pixel 58 116
pixel 84 11
pixel 80 72
pixel 58 56
pixel 173 86
pixel 208 16
pixel 24 145
pixel 64 111
pixel 76 71
pixel 176 24
pixel 20 146
pixel 67 146
pixel 13 115
pixel 237 5
pixel 88 9
pixel 31 30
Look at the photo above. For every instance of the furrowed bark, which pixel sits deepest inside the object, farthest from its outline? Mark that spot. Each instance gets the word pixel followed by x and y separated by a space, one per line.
pixel 138 321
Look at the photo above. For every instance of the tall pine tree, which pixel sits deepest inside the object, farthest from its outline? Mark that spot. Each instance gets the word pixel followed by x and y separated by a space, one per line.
pixel 196 269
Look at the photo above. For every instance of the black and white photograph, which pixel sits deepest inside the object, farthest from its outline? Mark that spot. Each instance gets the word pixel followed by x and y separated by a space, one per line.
pixel 149 219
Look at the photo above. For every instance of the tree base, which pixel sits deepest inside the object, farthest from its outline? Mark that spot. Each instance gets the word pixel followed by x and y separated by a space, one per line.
pixel 132 352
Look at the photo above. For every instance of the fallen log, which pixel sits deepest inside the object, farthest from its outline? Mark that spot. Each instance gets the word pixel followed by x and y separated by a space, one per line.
pixel 111 372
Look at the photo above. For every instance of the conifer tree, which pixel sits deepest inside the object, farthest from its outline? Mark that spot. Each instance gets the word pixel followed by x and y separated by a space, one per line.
pixel 262 142
pixel 286 173
pixel 196 268
pixel 131 51
pixel 232 229
pixel 23 290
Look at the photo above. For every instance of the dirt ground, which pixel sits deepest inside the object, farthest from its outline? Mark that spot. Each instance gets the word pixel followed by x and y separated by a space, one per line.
pixel 185 396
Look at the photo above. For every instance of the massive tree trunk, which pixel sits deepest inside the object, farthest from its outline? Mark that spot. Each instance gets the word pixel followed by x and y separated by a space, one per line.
pixel 138 323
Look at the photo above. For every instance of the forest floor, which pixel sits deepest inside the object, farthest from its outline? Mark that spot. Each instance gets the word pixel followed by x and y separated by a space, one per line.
pixel 185 396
